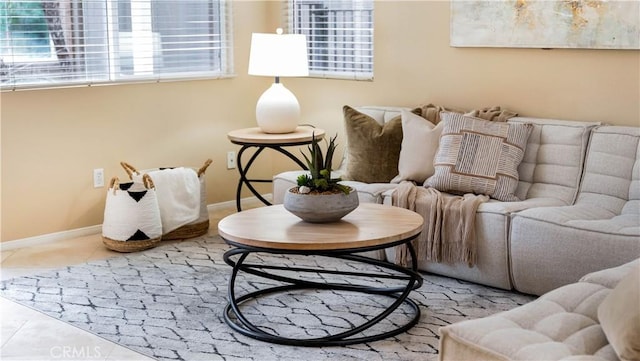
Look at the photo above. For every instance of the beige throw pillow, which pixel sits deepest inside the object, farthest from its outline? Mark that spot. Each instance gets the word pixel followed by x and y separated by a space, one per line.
pixel 372 149
pixel 420 139
pixel 479 156
pixel 619 316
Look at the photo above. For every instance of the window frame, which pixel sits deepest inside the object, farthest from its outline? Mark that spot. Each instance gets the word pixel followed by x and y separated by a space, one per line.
pixel 226 64
pixel 291 19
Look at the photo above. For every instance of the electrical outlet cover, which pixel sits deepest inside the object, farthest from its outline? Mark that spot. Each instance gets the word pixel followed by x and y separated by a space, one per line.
pixel 98 178
pixel 231 160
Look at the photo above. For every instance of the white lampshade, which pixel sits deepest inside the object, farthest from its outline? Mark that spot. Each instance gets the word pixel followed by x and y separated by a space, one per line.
pixel 277 55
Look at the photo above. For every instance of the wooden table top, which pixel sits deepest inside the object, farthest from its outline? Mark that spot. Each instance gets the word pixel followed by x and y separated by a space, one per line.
pixel 275 228
pixel 302 134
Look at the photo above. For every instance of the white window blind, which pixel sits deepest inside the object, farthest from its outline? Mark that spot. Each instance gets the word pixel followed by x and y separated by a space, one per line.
pixel 75 42
pixel 339 35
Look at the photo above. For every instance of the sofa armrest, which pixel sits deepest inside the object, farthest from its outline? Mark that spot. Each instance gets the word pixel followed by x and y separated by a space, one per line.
pixel 611 276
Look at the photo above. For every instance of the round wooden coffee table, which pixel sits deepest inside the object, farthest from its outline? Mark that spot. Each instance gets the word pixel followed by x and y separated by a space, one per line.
pixel 274 230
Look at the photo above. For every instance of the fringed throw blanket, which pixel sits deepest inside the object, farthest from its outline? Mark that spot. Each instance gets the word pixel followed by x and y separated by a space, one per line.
pixel 431 113
pixel 449 224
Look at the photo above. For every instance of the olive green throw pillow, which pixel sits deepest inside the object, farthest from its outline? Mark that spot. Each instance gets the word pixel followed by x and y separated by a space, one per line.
pixel 373 150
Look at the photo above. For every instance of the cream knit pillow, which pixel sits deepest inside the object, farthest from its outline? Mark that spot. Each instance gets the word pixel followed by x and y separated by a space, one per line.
pixel 420 139
pixel 619 316
pixel 479 156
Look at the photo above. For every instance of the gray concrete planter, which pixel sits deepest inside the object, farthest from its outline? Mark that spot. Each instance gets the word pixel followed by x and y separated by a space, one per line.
pixel 320 208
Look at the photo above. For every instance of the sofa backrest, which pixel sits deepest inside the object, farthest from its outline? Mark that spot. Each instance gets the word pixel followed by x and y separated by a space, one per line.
pixel 381 114
pixel 611 179
pixel 554 158
pixel 553 161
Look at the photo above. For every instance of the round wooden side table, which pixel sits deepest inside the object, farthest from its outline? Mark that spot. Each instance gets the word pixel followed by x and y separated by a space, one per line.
pixel 256 138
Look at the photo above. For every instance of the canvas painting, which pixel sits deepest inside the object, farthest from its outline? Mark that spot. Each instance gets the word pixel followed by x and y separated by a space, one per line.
pixel 591 24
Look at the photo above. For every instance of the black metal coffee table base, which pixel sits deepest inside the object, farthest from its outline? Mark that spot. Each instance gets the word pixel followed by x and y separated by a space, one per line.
pixel 236 319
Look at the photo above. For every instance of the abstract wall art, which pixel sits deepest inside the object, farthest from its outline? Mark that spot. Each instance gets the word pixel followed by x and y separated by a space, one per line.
pixel 590 24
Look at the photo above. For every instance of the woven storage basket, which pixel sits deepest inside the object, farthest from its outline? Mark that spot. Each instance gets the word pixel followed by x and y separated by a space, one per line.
pixel 196 228
pixel 131 216
pixel 129 246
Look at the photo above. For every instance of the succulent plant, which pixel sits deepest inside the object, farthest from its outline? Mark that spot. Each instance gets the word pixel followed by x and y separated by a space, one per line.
pixel 319 177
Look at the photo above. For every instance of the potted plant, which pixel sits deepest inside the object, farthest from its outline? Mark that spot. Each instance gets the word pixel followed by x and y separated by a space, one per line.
pixel 318 197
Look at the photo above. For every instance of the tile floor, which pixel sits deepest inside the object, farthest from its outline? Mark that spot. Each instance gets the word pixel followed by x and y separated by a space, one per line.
pixel 27 334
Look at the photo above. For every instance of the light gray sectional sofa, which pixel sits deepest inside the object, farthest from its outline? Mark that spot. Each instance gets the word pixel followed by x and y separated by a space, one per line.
pixel 595 319
pixel 580 209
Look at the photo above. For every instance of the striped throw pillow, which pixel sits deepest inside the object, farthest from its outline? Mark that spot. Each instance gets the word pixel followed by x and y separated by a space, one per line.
pixel 479 156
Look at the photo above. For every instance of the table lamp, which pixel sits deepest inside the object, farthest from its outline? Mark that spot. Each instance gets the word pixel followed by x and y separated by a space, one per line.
pixel 278 55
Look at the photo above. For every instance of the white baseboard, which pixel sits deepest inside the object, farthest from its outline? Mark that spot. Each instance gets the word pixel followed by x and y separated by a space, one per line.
pixel 50 238
pixel 243 202
pixel 91 230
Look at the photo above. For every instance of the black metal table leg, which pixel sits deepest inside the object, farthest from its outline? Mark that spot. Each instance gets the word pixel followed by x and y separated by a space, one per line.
pixel 243 169
pixel 237 321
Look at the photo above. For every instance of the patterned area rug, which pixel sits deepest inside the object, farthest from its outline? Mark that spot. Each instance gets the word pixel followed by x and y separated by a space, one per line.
pixel 168 303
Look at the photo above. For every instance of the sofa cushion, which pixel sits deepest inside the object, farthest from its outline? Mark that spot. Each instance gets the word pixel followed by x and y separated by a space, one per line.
pixel 613 159
pixel 587 217
pixel 542 250
pixel 373 150
pixel 420 139
pixel 479 156
pixel 382 114
pixel 554 158
pixel 560 325
pixel 619 316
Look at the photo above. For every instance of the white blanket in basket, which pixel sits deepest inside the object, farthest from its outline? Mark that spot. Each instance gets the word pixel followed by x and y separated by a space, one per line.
pixel 178 192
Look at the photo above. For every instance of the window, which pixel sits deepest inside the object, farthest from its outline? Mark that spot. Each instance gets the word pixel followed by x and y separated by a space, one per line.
pixel 339 35
pixel 71 42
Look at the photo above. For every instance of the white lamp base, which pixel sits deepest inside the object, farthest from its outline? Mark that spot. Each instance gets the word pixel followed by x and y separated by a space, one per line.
pixel 278 110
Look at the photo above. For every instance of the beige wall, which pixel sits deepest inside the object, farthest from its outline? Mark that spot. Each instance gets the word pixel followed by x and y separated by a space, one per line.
pixel 52 139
